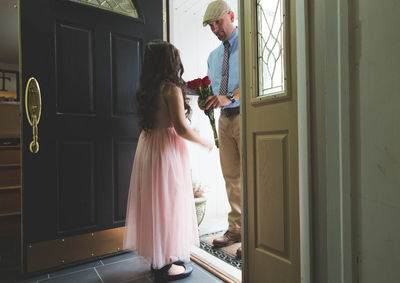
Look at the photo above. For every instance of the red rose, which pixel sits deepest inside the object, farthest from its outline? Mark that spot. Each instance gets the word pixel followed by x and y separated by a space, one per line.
pixel 206 81
pixel 191 85
pixel 194 84
pixel 198 83
pixel 201 87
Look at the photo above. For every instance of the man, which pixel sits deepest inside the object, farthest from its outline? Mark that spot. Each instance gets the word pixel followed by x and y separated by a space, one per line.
pixel 223 71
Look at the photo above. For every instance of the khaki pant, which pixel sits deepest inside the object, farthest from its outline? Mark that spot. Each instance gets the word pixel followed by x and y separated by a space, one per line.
pixel 229 153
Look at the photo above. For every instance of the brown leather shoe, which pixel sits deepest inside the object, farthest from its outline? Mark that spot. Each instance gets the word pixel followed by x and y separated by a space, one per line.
pixel 239 252
pixel 227 239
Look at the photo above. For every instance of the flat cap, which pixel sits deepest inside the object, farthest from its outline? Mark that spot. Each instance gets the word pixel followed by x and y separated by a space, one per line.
pixel 215 10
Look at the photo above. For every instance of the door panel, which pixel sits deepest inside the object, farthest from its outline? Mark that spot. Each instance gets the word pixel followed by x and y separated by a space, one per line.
pixel 271 192
pixel 125 64
pixel 74 69
pixel 124 149
pixel 87 61
pixel 270 135
pixel 76 187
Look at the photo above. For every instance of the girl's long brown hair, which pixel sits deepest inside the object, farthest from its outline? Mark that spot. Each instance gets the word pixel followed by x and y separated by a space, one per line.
pixel 161 65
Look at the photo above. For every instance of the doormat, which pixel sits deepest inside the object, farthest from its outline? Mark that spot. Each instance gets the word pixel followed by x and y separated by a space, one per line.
pixel 226 254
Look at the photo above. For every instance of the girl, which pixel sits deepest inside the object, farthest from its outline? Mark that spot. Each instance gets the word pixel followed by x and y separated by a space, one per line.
pixel 161 220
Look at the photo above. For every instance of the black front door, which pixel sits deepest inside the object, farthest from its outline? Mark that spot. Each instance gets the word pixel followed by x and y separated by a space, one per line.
pixel 87 62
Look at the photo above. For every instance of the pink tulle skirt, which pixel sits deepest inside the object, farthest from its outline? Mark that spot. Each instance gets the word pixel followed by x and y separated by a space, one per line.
pixel 161 220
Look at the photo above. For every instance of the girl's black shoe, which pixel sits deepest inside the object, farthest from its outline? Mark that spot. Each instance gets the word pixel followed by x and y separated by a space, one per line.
pixel 178 262
pixel 161 275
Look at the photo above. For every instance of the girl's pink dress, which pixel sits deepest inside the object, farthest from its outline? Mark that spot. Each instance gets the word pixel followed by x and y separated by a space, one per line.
pixel 161 220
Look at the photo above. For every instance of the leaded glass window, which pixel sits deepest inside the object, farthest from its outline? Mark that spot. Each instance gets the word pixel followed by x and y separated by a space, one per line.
pixel 271 47
pixel 124 7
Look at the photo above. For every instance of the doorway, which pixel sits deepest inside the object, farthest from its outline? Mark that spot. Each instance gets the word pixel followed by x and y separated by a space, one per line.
pixel 195 43
pixel 270 235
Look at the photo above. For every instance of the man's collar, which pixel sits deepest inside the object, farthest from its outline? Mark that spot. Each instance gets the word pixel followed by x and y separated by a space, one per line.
pixel 233 36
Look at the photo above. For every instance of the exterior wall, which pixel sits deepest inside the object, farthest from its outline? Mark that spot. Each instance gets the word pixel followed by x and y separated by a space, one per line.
pixel 376 139
pixel 355 85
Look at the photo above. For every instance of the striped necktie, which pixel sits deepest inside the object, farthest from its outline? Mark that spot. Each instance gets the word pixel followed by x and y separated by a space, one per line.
pixel 223 89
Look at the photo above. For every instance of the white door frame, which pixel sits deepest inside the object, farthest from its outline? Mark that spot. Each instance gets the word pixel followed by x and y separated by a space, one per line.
pixel 330 138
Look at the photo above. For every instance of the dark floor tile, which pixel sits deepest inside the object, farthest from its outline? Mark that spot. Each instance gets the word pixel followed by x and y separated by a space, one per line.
pixel 123 271
pixel 140 280
pixel 31 278
pixel 125 268
pixel 75 268
pixel 62 272
pixel 117 258
pixel 86 276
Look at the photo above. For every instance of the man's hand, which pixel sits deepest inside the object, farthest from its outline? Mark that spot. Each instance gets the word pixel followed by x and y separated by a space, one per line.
pixel 214 101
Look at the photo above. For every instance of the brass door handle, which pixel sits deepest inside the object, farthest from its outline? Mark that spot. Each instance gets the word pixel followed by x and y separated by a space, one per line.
pixel 33 108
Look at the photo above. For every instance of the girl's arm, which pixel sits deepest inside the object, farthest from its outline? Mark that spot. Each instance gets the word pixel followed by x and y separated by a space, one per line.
pixel 173 96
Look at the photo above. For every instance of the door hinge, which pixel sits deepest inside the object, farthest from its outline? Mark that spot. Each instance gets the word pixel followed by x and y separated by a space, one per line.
pixel 164 14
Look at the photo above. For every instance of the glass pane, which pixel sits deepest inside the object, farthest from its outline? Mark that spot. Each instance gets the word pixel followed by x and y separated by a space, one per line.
pixel 124 7
pixel 270 35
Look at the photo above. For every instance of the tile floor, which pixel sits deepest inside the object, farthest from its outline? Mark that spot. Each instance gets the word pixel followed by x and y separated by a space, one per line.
pixel 127 267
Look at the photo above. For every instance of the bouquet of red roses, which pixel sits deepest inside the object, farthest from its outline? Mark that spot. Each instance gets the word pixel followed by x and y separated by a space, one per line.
pixel 202 88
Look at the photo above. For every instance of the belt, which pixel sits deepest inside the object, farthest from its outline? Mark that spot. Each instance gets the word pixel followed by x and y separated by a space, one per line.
pixel 229 112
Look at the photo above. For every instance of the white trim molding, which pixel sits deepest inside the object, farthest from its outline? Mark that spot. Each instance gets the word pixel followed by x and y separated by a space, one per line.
pixel 331 141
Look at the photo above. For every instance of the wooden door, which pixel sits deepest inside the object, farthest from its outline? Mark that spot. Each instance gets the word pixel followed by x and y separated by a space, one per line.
pixel 272 251
pixel 87 62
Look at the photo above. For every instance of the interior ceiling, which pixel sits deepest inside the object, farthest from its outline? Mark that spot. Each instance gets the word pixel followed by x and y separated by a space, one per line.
pixel 9 23
pixel 8 32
